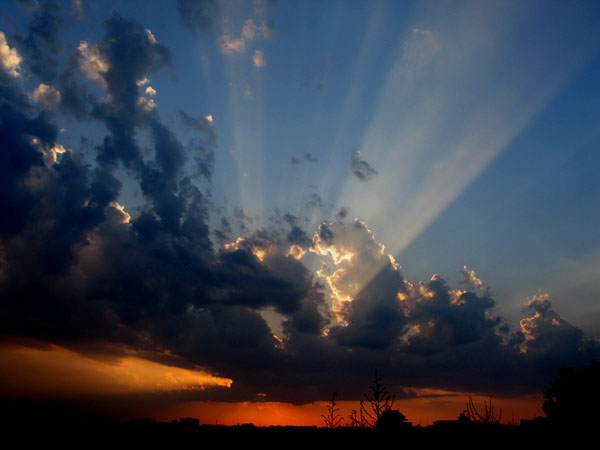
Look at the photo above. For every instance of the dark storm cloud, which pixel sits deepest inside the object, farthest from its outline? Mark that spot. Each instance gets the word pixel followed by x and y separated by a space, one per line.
pixel 375 317
pixel 223 233
pixel 41 45
pixel 197 14
pixel 75 100
pixel 361 168
pixel 447 318
pixel 201 147
pixel 18 156
pixel 131 54
pixel 201 124
pixel 241 219
pixel 298 236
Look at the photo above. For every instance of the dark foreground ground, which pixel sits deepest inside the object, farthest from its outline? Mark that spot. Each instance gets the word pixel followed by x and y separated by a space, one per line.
pixel 145 432
pixel 29 425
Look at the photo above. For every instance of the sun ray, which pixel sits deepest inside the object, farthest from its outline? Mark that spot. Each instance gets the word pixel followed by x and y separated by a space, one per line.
pixel 426 155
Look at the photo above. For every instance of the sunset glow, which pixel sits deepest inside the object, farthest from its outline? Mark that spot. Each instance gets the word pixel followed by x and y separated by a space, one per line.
pixel 238 210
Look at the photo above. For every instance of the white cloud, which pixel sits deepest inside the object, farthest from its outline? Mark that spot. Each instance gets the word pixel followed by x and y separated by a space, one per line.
pixel 9 58
pixel 249 30
pixel 151 37
pixel 258 59
pixel 147 103
pixel 47 95
pixel 229 46
pixel 49 153
pixel 94 65
pixel 357 257
pixel 546 331
pixel 125 217
pixel 150 91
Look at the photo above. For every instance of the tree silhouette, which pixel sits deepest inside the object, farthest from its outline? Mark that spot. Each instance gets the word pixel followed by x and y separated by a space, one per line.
pixel 332 419
pixel 486 416
pixel 572 399
pixel 379 400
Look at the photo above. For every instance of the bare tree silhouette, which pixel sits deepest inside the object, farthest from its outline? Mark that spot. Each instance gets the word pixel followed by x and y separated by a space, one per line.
pixel 379 401
pixel 487 416
pixel 332 419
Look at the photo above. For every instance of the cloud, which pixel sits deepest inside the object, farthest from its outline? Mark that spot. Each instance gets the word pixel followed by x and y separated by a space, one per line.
pixel 250 30
pixel 56 372
pixel 126 55
pixel 10 61
pixel 306 156
pixel 83 269
pixel 258 59
pixel 342 213
pixel 203 146
pixel 361 168
pixel 46 95
pixel 93 63
pixel 549 338
pixel 364 288
pixel 229 45
pixel 41 45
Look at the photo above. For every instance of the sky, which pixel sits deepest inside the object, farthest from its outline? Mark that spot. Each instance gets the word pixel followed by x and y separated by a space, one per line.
pixel 227 208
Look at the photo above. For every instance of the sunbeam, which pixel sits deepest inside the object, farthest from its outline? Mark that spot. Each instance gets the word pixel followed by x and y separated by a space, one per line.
pixel 449 107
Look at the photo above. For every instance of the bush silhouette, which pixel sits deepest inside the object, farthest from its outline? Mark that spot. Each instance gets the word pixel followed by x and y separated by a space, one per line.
pixel 572 399
pixel 390 420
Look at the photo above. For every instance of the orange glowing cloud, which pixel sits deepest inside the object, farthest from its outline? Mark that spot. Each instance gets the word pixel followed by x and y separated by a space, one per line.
pixel 57 372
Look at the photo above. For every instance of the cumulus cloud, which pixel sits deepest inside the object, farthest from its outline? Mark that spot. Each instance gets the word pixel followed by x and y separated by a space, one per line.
pixel 361 168
pixel 364 288
pixel 229 45
pixel 42 44
pixel 258 59
pixel 46 95
pixel 547 336
pixel 250 30
pixel 93 63
pixel 10 61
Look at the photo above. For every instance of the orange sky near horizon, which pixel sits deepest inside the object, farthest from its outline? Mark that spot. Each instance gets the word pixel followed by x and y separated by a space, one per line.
pixel 420 411
pixel 54 373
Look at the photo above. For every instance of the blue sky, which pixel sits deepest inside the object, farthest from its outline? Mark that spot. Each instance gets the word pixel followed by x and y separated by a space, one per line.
pixel 456 133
